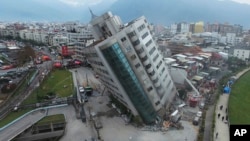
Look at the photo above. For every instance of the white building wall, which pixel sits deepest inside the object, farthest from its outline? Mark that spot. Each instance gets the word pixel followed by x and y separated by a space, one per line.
pixel 223 39
pixel 231 38
pixel 173 28
pixel 184 27
pixel 242 54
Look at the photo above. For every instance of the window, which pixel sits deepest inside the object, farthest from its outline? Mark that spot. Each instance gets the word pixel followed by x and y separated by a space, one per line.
pixel 133 57
pixel 157 103
pixel 140 50
pixel 135 43
pixel 149 88
pixel 152 73
pixel 159 64
pixel 141 27
pixel 123 39
pixel 131 34
pixel 156 56
pixel 144 58
pixel 152 51
pixel 148 43
pixel 163 69
pixel 137 65
pixel 144 35
pixel 156 80
pixel 168 84
pixel 148 66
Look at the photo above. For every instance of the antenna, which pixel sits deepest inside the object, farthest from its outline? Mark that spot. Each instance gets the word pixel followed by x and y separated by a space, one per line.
pixel 92 14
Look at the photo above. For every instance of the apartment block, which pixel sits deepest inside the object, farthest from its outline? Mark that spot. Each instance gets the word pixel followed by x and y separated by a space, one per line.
pixel 127 59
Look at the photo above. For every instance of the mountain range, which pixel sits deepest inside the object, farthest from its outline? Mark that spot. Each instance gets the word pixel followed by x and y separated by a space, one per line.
pixel 164 12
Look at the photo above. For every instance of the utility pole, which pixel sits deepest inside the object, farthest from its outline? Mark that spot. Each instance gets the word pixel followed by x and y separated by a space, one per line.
pixel 87 80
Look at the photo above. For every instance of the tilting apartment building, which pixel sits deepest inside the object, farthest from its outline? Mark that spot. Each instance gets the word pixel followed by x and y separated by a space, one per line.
pixel 128 62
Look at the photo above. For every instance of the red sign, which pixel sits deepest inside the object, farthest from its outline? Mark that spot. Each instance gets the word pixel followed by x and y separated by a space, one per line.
pixel 65 51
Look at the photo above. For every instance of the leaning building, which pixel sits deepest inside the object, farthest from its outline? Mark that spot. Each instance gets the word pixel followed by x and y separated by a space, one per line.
pixel 129 64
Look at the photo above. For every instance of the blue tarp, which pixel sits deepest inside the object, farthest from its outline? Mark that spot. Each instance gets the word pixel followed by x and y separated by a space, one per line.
pixel 226 90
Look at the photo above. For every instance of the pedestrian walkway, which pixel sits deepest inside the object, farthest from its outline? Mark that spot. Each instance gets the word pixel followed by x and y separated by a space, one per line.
pixel 221 131
pixel 22 123
pixel 19 126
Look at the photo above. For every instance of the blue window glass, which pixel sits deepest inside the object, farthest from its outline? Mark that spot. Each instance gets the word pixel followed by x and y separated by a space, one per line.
pixel 120 66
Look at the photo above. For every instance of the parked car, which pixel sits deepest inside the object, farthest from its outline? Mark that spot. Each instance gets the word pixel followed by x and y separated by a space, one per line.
pixel 196 120
pixel 202 105
pixel 199 114
pixel 81 89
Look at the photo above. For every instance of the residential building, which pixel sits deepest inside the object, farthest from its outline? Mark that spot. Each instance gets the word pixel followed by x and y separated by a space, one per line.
pixel 182 27
pixel 199 27
pixel 128 62
pixel 59 39
pixel 173 28
pixel 242 53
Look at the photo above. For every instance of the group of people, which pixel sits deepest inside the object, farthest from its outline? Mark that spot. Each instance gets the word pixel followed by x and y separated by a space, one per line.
pixel 222 117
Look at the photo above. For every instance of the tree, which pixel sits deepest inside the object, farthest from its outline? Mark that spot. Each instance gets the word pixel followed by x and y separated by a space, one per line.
pixel 26 54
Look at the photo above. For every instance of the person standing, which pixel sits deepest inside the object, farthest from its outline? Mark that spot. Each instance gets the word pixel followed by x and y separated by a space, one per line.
pixel 221 107
pixel 219 115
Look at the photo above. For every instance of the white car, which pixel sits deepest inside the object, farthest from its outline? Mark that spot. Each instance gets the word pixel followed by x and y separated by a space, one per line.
pixel 81 89
pixel 199 114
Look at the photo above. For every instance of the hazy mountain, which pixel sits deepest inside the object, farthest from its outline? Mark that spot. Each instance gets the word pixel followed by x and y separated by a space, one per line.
pixel 163 12
pixel 170 11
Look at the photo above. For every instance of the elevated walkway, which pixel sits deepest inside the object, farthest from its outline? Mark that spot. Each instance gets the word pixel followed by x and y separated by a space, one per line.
pixel 11 130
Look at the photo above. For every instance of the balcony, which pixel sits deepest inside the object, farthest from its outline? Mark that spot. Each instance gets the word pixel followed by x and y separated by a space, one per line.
pixel 134 38
pixel 146 62
pixel 150 70
pixel 142 55
pixel 154 77
pixel 157 84
pixel 138 47
pixel 160 91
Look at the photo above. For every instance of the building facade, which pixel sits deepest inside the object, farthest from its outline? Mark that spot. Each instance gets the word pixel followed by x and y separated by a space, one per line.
pixel 242 53
pixel 129 64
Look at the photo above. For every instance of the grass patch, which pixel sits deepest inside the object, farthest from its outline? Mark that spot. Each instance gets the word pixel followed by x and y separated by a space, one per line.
pixel 59 82
pixel 12 116
pixel 56 81
pixel 59 118
pixel 239 101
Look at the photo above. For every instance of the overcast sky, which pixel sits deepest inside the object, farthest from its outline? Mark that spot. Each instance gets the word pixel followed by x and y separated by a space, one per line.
pixel 62 10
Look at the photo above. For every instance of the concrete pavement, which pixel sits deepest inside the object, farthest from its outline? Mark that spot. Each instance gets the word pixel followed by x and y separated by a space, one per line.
pixel 221 132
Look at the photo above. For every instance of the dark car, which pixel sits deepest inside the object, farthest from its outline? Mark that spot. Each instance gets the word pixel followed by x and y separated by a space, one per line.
pixel 196 120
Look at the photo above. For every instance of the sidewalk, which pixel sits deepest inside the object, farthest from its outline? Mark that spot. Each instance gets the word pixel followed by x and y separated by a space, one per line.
pixel 221 131
pixel 221 124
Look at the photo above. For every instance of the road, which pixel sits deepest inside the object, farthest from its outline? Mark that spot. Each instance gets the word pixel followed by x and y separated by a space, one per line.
pixel 28 120
pixel 43 69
